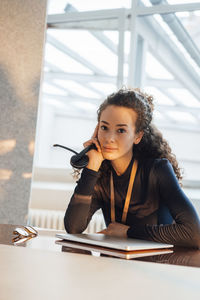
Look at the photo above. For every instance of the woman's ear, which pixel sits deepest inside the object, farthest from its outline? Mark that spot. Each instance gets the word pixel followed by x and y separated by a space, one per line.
pixel 138 137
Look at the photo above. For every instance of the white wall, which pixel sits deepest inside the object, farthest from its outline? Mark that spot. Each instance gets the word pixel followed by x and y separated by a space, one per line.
pixel 186 147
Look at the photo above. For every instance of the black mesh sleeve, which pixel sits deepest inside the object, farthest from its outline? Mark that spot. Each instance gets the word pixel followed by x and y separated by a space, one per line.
pixel 83 204
pixel 186 229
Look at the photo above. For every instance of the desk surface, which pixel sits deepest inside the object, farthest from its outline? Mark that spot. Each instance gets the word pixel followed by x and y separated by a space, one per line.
pixel 48 273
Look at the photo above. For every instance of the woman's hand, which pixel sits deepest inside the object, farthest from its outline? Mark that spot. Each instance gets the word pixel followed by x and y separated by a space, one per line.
pixel 95 156
pixel 116 229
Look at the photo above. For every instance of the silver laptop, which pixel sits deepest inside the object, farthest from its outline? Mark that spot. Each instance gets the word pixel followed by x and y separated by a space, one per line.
pixel 102 240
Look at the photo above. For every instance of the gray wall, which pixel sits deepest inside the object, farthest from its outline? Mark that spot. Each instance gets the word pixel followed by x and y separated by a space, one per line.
pixel 22 32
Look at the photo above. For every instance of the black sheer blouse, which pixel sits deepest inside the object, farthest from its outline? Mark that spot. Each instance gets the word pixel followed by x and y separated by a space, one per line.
pixel 158 211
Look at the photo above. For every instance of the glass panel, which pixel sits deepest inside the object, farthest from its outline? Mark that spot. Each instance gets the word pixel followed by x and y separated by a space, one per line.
pixel 84 44
pixel 172 66
pixel 169 2
pixel 190 22
pixel 182 117
pixel 182 1
pixel 155 69
pixel 146 2
pixel 80 71
pixel 104 88
pixel 185 97
pixel 59 60
pixel 158 117
pixel 50 89
pixel 159 97
pixel 76 89
pixel 56 7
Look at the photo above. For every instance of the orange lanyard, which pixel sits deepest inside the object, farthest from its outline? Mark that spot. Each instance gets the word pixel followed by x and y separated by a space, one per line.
pixel 128 195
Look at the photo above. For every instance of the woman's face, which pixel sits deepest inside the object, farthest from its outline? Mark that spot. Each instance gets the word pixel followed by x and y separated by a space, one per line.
pixel 116 132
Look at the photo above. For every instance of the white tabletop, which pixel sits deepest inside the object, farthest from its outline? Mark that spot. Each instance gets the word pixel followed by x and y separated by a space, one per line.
pixel 41 274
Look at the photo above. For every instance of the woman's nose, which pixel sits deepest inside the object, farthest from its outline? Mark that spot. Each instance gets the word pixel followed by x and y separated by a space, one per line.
pixel 110 137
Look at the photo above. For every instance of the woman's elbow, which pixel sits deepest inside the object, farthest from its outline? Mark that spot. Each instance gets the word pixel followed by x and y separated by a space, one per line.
pixel 194 240
pixel 72 227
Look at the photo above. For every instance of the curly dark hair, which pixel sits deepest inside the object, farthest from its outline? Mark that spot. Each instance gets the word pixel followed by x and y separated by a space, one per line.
pixel 152 144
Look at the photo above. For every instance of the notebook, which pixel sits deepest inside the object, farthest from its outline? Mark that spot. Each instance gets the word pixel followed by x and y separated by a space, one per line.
pixel 106 241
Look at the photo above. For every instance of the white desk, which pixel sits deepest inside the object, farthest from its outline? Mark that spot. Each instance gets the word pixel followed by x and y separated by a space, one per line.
pixel 39 270
pixel 41 274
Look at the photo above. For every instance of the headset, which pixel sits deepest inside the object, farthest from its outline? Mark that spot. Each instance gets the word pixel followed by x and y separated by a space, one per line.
pixel 79 160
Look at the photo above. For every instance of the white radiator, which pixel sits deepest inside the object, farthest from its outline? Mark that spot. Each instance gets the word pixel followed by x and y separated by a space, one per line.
pixel 53 219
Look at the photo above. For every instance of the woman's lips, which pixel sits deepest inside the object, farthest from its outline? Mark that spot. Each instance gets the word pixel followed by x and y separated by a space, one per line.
pixel 109 149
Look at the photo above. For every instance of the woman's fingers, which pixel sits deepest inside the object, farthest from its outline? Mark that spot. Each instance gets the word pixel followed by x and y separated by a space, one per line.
pixel 95 132
pixel 87 143
pixel 102 231
pixel 93 141
pixel 116 229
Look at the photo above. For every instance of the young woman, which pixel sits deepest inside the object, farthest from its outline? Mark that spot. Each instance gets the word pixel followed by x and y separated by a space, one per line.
pixel 133 177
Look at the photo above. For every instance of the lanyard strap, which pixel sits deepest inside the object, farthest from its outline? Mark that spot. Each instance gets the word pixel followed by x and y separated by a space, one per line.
pixel 128 195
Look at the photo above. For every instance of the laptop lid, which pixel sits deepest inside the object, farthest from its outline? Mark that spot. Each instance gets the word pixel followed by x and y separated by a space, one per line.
pixel 125 244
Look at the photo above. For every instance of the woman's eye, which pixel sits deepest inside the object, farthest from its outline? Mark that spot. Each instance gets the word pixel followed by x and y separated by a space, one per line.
pixel 121 130
pixel 103 127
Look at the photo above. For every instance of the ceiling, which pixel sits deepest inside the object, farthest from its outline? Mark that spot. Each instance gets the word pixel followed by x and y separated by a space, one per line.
pixel 93 50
